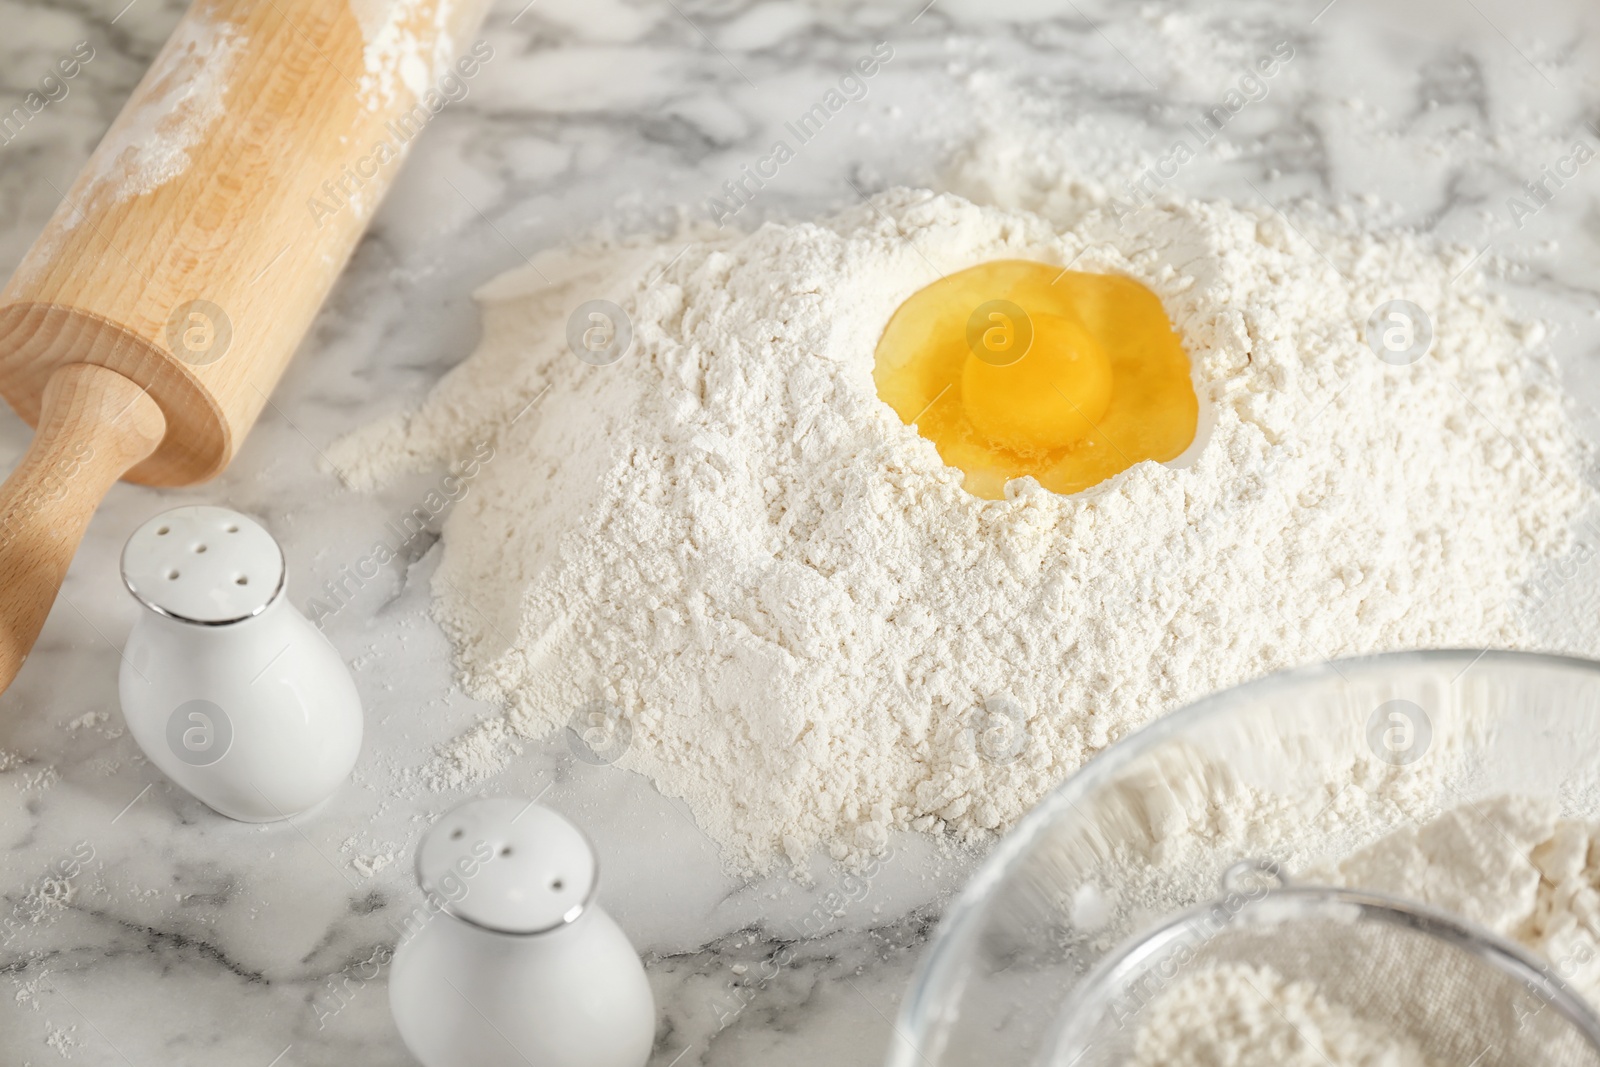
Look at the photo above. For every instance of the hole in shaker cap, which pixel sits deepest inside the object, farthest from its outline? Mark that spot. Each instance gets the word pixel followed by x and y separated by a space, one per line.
pixel 457 834
pixel 172 576
pixel 556 884
pixel 197 549
pixel 232 527
pixel 505 850
pixel 242 580
pixel 163 531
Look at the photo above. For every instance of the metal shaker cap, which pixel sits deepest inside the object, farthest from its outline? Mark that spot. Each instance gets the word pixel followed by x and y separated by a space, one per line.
pixel 509 866
pixel 203 564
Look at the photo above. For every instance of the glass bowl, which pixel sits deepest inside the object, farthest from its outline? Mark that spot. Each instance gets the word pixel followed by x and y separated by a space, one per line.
pixel 1297 770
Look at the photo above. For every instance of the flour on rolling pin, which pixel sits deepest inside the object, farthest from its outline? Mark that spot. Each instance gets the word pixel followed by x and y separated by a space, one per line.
pixel 149 146
pixel 407 42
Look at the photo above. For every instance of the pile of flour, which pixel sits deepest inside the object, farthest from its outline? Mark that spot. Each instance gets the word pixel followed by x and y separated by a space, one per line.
pixel 805 626
pixel 1510 865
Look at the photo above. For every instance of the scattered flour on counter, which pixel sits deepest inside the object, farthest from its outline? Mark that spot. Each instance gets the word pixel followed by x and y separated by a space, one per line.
pixel 60 1039
pixel 367 866
pixel 370 856
pixel 47 898
pixel 815 636
pixel 28 990
pixel 473 756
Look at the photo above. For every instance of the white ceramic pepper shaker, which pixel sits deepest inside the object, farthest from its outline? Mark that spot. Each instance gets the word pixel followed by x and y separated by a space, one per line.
pixel 225 686
pixel 519 967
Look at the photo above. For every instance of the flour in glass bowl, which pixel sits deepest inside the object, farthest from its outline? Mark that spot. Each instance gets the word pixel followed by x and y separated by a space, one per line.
pixel 1244 1015
pixel 816 636
pixel 1510 865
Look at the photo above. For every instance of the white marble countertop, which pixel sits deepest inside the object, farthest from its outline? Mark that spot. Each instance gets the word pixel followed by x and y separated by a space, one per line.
pixel 190 939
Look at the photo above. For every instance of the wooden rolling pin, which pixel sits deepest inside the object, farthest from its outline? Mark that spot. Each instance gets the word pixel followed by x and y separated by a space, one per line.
pixel 143 332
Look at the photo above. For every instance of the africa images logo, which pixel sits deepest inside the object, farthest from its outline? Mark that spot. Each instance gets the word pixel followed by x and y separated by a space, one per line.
pixel 199 733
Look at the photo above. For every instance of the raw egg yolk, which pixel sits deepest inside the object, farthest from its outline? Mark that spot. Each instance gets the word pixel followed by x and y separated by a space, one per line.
pixel 1049 398
pixel 1016 369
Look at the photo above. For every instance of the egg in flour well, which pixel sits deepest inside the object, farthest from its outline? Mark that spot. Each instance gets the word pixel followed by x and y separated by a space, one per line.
pixel 1016 368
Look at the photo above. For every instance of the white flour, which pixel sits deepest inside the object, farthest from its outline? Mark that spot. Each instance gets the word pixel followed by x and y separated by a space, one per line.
pixel 186 96
pixel 404 44
pixel 816 636
pixel 1509 865
pixel 1235 1015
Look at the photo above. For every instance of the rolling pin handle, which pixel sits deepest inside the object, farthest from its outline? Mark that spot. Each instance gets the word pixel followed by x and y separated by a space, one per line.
pixel 93 425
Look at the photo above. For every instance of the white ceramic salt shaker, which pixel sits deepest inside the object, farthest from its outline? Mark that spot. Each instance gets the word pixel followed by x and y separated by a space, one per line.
pixel 225 686
pixel 519 966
